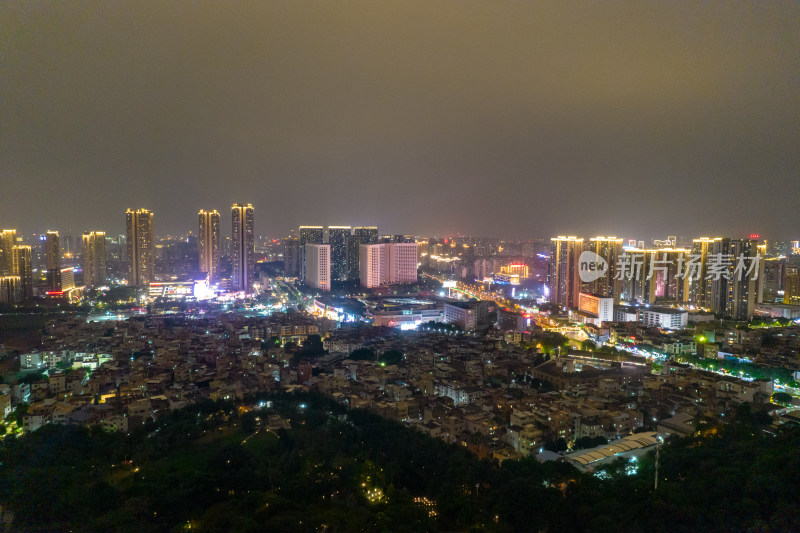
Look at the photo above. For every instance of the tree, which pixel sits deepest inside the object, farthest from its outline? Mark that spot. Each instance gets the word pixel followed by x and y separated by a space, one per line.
pixel 391 357
pixel 20 412
pixel 32 378
pixel 312 347
pixel 556 446
pixel 550 341
pixel 783 398
pixel 362 354
pixel 248 422
pixel 590 442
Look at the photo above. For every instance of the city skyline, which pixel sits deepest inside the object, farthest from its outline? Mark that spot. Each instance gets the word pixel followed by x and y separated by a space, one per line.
pixel 283 231
pixel 405 266
pixel 615 119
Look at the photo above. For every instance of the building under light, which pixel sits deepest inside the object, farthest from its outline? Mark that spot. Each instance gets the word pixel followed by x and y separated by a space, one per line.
pixel 504 278
pixel 208 243
pixel 93 254
pixel 337 238
pixel 309 235
pixel 393 262
pixel 733 296
pixel 10 290
pixel 8 239
pixel 596 309
pixel 318 266
pixel 69 291
pixel 23 268
pixel 610 249
pixel 141 249
pixel 242 247
pixel 700 289
pixel 564 281
pixel 53 261
pixel 518 269
pixel 361 235
pixel 196 288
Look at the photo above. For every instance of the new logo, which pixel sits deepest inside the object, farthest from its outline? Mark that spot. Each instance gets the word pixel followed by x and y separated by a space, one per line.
pixel 591 266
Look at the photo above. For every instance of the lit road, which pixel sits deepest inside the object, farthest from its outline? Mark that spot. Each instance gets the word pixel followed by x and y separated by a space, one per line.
pixel 475 291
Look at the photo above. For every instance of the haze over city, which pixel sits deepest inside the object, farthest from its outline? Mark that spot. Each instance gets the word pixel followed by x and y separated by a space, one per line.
pixel 399 266
pixel 514 120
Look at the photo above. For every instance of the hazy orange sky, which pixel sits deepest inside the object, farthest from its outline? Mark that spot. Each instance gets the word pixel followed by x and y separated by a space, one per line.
pixel 515 119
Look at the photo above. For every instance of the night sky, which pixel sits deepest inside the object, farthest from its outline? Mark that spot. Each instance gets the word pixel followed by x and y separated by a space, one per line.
pixel 508 119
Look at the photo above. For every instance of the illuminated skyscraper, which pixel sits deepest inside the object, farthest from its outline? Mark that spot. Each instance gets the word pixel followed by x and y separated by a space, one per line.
pixel 353 254
pixel 371 265
pixel 774 273
pixel 139 238
pixel 609 248
pixel 734 295
pixel 93 253
pixel 67 279
pixel 8 239
pixel 9 289
pixel 564 282
pixel 368 234
pixel 309 235
pixel 209 243
pixel 403 261
pixel 243 252
pixel 361 235
pixel 700 289
pixel 53 261
pixel 337 238
pixel 654 276
pixel 24 269
pixel 318 266
pixel 791 286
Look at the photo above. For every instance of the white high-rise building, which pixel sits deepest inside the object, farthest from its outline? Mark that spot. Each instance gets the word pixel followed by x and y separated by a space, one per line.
pixel 391 262
pixel 402 262
pixel 370 263
pixel 318 266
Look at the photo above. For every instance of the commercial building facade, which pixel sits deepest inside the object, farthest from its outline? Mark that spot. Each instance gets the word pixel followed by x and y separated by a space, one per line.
pixel 600 307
